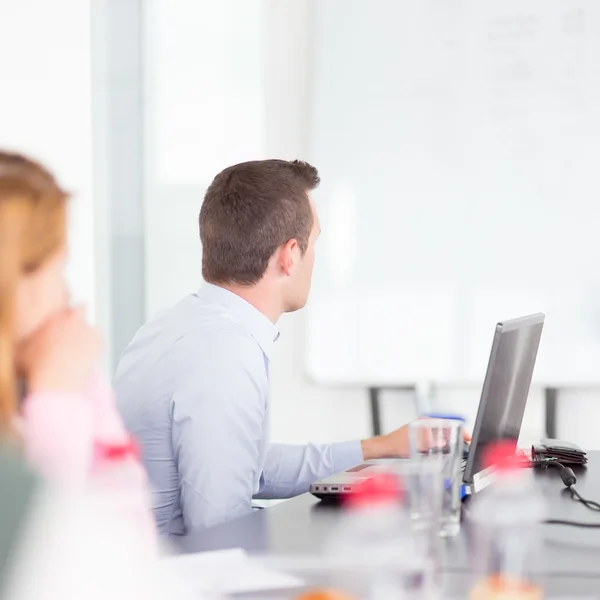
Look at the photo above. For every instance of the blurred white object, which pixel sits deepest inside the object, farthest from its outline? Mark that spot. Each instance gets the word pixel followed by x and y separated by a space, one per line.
pixel 377 553
pixel 122 486
pixel 508 530
pixel 211 573
pixel 72 547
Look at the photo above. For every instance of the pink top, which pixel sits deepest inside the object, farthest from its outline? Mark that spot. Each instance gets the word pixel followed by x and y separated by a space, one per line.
pixel 72 438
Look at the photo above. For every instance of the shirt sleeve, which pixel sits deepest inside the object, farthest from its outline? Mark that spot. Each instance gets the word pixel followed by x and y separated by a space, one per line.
pixel 218 429
pixel 290 470
pixel 61 430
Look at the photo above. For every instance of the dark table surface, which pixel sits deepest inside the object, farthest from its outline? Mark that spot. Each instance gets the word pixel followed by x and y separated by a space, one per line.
pixel 301 525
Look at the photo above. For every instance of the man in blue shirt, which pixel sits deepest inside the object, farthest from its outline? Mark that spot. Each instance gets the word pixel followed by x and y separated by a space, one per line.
pixel 193 385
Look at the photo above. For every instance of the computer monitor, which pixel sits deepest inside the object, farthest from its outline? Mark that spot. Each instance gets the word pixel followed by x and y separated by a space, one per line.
pixel 506 387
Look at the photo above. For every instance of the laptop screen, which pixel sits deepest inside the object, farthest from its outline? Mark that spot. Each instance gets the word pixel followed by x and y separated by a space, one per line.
pixel 506 387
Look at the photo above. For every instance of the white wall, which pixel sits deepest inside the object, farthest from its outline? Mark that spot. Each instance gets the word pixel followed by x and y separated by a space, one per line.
pixel 46 112
pixel 204 110
pixel 191 135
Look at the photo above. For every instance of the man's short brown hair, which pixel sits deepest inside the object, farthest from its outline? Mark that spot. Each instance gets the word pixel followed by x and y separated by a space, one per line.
pixel 249 211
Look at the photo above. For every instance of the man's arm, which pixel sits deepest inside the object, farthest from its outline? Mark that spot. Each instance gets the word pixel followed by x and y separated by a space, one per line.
pixel 290 470
pixel 218 420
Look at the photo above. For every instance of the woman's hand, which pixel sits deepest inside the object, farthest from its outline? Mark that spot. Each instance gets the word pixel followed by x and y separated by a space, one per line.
pixel 61 355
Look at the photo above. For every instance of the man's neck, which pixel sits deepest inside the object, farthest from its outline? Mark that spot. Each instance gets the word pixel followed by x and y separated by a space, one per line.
pixel 258 296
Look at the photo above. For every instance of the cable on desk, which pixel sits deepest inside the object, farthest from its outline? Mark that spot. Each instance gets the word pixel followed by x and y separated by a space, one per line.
pixel 569 479
pixel 568 523
pixel 587 503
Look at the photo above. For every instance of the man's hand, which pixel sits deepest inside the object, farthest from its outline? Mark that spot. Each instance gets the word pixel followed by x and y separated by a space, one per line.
pixel 392 445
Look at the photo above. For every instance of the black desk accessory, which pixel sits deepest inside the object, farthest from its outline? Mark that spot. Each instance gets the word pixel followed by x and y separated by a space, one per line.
pixel 559 454
pixel 562 451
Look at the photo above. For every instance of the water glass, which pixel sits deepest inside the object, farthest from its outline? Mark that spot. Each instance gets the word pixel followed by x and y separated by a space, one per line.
pixel 435 481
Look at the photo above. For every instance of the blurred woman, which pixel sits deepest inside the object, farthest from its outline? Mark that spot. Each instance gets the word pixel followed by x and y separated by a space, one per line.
pixel 52 404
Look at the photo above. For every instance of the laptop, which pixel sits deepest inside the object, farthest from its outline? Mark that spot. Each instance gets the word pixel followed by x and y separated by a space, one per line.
pixel 499 416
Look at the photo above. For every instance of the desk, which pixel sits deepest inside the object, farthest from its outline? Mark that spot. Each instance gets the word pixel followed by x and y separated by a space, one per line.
pixel 301 525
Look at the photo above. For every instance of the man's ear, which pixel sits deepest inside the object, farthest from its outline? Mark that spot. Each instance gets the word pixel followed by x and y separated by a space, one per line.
pixel 288 255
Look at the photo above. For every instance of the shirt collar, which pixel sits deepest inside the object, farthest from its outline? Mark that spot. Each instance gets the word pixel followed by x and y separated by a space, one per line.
pixel 258 325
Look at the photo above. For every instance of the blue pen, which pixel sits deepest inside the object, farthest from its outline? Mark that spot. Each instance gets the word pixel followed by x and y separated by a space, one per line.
pixel 448 416
pixel 463 488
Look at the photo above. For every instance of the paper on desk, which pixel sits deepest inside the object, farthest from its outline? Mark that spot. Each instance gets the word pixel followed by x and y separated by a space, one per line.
pixel 227 572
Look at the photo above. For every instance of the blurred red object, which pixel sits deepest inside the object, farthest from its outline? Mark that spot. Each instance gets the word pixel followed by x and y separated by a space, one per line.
pixel 118 451
pixel 381 489
pixel 504 456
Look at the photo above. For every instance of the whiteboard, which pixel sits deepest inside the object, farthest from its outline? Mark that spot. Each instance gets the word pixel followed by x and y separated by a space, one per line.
pixel 459 148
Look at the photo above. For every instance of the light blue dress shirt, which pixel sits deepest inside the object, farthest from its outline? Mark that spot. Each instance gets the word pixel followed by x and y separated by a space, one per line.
pixel 193 387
